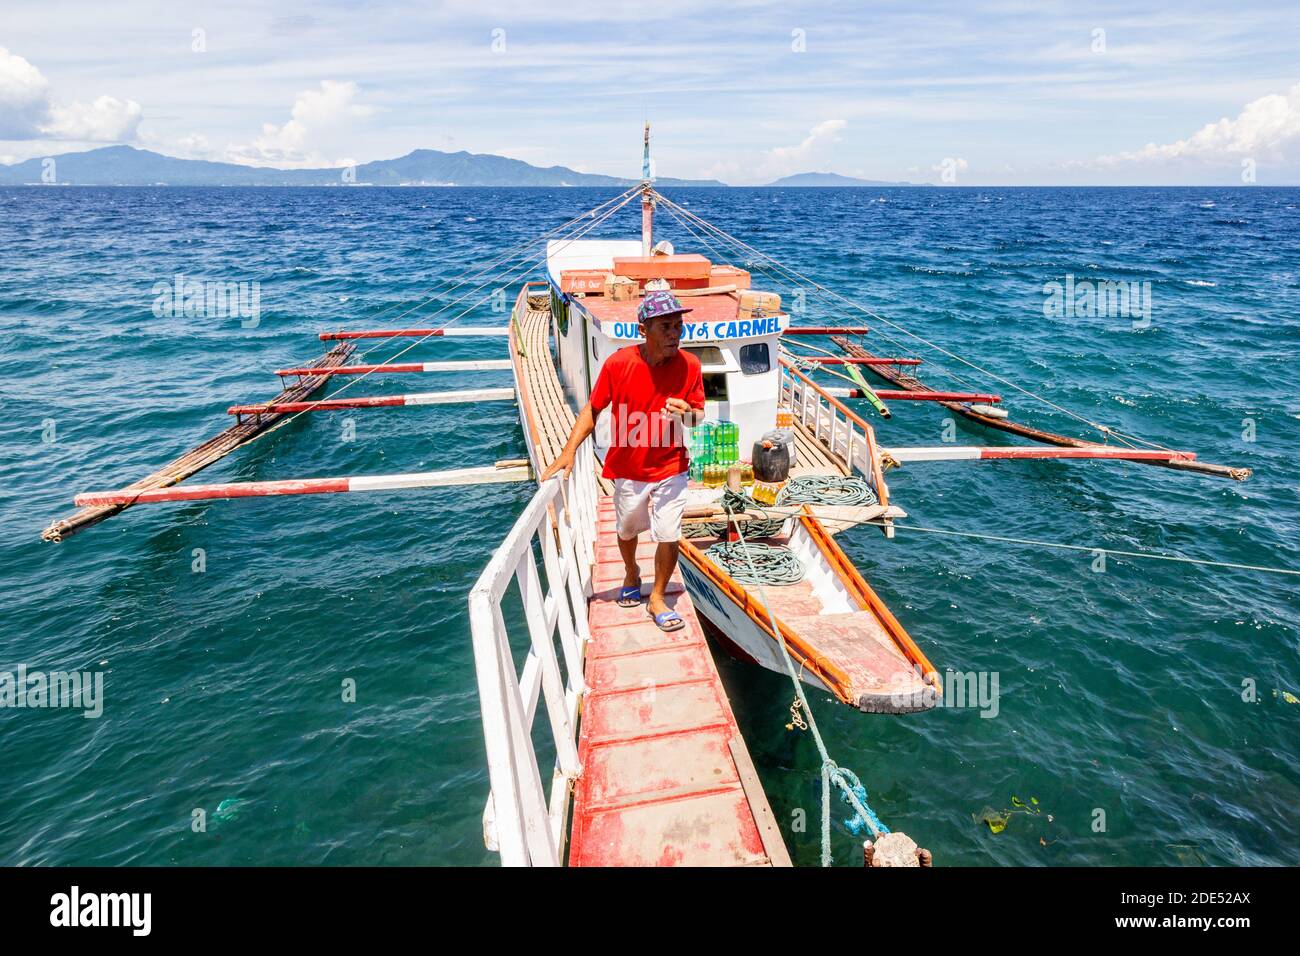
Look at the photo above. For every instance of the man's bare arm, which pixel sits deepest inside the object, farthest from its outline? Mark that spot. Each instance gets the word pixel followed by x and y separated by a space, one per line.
pixel 583 427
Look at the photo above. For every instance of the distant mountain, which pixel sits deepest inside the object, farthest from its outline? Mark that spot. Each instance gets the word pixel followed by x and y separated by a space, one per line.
pixel 127 166
pixel 830 179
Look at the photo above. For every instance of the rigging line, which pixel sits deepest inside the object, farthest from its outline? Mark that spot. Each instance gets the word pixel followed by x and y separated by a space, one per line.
pixel 1107 431
pixel 791 275
pixel 768 269
pixel 902 347
pixel 1104 429
pixel 527 266
pixel 1079 547
pixel 507 256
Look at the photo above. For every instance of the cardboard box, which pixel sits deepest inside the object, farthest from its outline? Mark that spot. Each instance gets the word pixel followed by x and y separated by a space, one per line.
pixel 757 305
pixel 620 288
pixel 729 275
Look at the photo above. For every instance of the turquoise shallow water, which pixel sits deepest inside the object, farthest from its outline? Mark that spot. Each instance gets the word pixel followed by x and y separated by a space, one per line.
pixel 1120 691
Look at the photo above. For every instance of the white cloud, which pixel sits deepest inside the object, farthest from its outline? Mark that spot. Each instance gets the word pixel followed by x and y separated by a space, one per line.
pixel 1267 129
pixel 317 118
pixel 814 149
pixel 107 120
pixel 24 97
pixel 28 112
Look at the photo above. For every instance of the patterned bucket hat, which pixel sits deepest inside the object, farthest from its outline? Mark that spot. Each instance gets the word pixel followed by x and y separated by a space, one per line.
pixel 657 304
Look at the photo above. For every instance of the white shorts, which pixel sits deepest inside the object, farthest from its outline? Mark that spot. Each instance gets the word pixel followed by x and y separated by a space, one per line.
pixel 655 506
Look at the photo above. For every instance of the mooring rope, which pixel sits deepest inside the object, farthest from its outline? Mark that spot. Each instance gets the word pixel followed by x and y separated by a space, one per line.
pixel 852 791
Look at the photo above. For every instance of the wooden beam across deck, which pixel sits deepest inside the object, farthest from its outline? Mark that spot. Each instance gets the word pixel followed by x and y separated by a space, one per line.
pixel 902 379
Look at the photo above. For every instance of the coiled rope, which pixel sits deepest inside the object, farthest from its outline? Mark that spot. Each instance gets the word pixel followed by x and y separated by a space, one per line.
pixel 757 563
pixel 850 490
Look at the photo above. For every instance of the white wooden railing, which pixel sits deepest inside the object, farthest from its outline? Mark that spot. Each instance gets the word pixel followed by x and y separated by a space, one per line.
pixel 841 430
pixel 525 826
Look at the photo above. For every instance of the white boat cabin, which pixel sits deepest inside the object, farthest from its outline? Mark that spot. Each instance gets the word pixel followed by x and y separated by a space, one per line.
pixel 596 288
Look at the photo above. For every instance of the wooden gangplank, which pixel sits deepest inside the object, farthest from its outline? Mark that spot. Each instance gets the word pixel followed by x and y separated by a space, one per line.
pixel 667 778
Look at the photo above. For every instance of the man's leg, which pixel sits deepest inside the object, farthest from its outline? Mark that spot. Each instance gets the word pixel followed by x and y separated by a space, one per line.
pixel 665 565
pixel 667 504
pixel 632 516
pixel 631 573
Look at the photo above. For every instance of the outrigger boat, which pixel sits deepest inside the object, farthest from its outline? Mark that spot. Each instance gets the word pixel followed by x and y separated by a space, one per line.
pixel 664 778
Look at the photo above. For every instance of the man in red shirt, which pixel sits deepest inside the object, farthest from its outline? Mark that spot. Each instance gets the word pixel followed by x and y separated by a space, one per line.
pixel 652 390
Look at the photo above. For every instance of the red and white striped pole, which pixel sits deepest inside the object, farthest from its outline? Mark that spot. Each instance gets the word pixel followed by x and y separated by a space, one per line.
pixel 414 333
pixel 306 486
pixel 976 453
pixel 378 401
pixel 826 330
pixel 479 365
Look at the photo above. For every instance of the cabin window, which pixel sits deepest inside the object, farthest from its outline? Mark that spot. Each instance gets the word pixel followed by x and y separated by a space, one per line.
pixel 715 386
pixel 755 358
pixel 707 354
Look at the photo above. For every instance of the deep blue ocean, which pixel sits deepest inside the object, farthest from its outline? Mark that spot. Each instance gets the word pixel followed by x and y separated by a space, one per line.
pixel 1157 699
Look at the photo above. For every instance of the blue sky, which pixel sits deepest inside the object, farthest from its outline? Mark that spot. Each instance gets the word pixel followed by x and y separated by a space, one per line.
pixel 984 93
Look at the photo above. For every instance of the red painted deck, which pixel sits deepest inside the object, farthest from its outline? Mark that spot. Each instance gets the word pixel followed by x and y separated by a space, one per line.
pixel 666 779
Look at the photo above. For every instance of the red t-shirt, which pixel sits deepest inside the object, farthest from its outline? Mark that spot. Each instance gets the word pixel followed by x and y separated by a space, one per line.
pixel 645 446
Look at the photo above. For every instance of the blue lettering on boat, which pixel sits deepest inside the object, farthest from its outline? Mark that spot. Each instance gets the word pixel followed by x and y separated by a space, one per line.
pixel 700 588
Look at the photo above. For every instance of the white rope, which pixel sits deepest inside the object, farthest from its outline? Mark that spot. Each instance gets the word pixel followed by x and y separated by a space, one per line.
pixel 1181 558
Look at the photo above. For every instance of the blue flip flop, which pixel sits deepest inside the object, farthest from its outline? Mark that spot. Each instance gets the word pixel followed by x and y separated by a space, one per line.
pixel 630 596
pixel 669 621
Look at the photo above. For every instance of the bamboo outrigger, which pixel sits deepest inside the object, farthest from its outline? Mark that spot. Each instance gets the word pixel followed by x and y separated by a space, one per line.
pixel 212 450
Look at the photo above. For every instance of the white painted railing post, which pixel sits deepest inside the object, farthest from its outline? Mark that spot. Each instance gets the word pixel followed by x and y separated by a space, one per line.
pixel 518 821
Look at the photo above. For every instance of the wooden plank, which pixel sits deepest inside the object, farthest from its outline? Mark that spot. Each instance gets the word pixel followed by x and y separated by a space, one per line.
pixel 768 828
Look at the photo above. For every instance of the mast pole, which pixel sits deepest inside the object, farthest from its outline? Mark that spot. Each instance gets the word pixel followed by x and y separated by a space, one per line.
pixel 647 203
